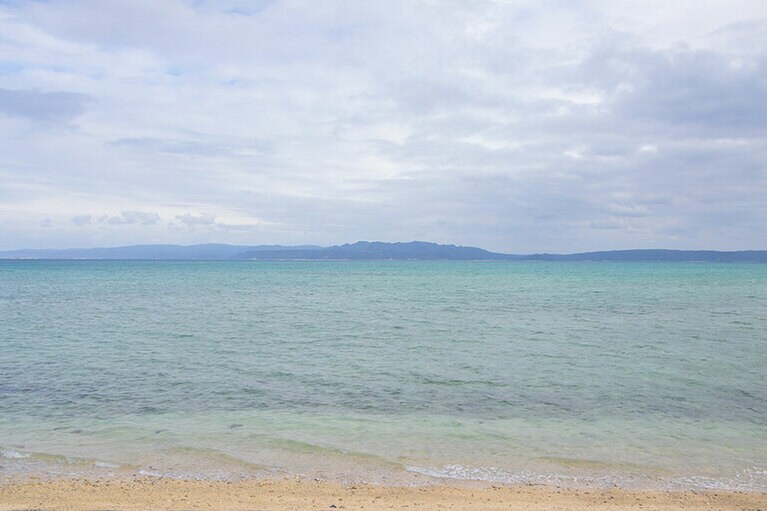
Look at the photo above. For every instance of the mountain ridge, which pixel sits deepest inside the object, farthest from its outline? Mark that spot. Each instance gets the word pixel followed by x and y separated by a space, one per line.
pixel 371 250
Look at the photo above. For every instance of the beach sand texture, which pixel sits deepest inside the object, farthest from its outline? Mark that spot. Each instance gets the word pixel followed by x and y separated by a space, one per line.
pixel 168 494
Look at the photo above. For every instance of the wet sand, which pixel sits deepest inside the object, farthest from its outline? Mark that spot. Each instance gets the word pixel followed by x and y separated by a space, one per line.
pixel 168 494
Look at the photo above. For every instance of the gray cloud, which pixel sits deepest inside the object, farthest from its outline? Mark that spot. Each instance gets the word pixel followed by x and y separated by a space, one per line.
pixel 198 146
pixel 511 126
pixel 82 220
pixel 201 219
pixel 42 106
pixel 132 217
pixel 691 90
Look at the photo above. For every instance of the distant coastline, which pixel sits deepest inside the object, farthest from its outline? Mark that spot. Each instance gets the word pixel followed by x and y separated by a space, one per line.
pixel 366 250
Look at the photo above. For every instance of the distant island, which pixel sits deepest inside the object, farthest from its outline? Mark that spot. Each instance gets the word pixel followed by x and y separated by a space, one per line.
pixel 372 250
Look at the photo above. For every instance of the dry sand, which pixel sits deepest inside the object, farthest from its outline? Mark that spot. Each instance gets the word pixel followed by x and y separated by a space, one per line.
pixel 168 494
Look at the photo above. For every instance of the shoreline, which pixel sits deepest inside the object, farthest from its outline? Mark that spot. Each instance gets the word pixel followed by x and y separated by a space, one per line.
pixel 221 467
pixel 136 493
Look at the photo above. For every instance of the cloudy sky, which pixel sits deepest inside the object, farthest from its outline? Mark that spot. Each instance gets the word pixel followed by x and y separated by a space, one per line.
pixel 517 126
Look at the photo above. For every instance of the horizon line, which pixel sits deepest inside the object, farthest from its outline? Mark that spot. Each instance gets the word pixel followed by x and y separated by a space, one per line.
pixel 309 246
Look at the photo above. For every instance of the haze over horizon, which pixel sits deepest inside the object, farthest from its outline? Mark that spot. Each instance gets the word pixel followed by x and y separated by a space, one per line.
pixel 517 127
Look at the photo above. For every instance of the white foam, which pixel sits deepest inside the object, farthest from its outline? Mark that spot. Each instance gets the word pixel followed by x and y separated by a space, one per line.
pixel 13 455
pixel 499 475
pixel 104 464
pixel 491 474
pixel 754 479
pixel 151 473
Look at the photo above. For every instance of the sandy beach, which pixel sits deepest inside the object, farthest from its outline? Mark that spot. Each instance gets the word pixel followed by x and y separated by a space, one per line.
pixel 168 494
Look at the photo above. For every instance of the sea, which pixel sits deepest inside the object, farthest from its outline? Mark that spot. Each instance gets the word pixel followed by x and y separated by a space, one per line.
pixel 591 374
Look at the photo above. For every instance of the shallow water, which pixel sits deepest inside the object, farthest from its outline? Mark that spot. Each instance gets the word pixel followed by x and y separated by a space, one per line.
pixel 574 374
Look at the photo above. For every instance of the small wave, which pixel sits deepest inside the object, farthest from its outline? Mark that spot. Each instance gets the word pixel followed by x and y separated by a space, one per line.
pixel 13 455
pixel 753 479
pixel 301 447
pixel 152 473
pixel 492 474
pixel 204 475
pixel 746 480
pixel 499 475
pixel 214 455
pixel 104 464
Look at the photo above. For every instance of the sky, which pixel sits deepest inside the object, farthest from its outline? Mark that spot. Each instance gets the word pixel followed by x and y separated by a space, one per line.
pixel 516 126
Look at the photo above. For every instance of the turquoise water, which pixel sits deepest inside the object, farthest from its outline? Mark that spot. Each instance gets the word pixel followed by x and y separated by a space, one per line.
pixel 650 375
